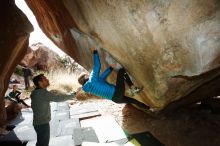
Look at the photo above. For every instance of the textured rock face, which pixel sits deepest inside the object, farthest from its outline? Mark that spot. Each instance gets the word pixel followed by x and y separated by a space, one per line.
pixel 15 30
pixel 40 57
pixel 165 45
pixel 170 47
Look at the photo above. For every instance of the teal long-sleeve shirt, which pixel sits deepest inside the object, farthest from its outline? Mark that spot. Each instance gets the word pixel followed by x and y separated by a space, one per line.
pixel 97 84
pixel 40 104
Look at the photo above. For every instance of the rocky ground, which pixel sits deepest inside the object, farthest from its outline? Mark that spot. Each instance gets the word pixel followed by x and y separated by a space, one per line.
pixel 191 126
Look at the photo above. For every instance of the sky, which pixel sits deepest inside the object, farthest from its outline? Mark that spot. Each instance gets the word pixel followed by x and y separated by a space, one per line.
pixel 37 35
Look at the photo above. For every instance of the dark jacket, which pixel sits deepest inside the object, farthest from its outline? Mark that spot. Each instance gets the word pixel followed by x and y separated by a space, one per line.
pixel 40 104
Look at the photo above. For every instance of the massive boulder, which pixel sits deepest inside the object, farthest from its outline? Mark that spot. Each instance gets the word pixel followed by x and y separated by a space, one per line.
pixel 40 57
pixel 170 47
pixel 15 31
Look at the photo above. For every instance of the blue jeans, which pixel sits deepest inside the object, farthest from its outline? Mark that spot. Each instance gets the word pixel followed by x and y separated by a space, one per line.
pixel 43 134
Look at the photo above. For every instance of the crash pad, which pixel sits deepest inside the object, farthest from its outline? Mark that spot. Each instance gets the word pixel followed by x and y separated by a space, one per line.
pixel 106 128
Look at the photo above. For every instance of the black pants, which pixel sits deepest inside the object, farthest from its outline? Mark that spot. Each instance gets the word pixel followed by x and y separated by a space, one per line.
pixel 16 100
pixel 22 101
pixel 27 82
pixel 43 134
pixel 119 96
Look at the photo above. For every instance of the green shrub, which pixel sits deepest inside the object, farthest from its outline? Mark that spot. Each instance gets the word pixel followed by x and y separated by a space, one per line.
pixel 18 70
pixel 68 63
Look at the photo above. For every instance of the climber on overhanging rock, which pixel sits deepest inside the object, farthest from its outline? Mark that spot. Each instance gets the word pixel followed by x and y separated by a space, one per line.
pixel 98 85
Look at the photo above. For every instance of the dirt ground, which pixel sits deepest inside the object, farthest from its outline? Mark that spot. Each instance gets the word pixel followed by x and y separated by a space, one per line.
pixel 191 126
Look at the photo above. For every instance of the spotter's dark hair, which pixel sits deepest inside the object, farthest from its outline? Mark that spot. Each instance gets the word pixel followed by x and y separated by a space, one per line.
pixel 36 80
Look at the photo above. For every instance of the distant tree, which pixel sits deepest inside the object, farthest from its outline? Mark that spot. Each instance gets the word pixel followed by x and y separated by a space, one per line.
pixel 68 63
pixel 18 70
